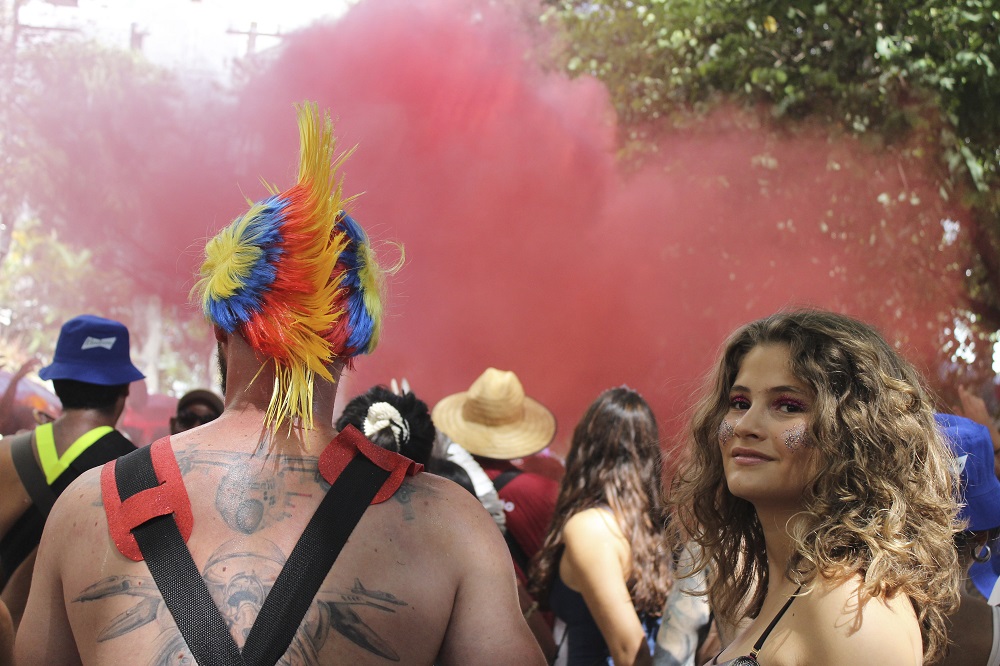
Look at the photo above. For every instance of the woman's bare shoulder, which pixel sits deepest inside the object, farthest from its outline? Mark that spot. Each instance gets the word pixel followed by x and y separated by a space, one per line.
pixel 836 621
pixel 591 525
pixel 593 542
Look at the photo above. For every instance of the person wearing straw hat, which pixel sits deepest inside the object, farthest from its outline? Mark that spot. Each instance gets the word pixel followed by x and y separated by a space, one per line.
pixel 266 535
pixel 91 372
pixel 497 422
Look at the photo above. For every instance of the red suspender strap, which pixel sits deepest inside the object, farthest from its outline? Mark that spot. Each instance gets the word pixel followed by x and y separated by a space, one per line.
pixel 168 497
pixel 341 450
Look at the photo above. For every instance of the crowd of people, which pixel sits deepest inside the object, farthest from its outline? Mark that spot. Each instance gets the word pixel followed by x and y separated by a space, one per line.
pixel 824 508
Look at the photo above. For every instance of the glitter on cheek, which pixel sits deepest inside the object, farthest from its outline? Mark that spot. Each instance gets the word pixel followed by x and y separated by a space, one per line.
pixel 726 432
pixel 796 438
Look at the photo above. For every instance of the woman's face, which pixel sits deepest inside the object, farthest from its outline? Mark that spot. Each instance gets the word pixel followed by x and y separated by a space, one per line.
pixel 767 454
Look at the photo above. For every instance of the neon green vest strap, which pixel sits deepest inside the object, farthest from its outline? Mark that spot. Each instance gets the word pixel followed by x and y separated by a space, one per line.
pixel 52 463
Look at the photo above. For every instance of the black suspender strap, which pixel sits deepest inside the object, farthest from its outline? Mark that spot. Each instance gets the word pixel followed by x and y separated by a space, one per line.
pixel 42 495
pixel 176 575
pixel 516 552
pixel 188 599
pixel 311 560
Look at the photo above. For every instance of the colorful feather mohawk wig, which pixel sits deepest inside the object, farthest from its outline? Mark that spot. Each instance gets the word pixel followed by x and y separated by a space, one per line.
pixel 296 277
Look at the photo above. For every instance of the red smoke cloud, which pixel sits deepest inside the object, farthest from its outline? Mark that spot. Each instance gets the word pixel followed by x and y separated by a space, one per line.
pixel 529 247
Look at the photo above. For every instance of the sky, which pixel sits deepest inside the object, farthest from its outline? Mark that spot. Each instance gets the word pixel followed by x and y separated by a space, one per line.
pixel 199 37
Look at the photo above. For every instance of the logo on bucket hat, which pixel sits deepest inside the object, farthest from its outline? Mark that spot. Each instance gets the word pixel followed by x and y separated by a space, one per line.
pixel 94 350
pixel 90 343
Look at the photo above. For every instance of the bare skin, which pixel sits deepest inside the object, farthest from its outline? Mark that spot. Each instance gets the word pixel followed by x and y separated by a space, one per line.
pixel 6 637
pixel 424 578
pixel 9 421
pixel 14 499
pixel 973 407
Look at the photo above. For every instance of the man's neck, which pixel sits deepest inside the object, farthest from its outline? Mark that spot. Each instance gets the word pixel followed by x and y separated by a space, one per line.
pixel 249 386
pixel 74 423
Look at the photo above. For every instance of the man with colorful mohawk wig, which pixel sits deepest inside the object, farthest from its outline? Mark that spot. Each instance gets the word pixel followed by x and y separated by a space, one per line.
pixel 296 278
pixel 266 536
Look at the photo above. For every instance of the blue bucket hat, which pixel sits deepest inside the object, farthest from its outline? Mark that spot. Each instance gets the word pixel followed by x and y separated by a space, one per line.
pixel 973 448
pixel 93 350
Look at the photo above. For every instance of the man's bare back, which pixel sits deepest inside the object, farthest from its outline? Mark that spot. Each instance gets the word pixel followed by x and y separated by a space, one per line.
pixel 424 577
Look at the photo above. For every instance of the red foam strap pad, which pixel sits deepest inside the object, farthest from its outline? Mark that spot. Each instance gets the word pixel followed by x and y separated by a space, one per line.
pixel 350 441
pixel 168 497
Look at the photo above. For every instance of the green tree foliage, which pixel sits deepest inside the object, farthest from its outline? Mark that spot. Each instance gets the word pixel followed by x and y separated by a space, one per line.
pixel 46 280
pixel 113 152
pixel 34 282
pixel 914 80
pixel 106 178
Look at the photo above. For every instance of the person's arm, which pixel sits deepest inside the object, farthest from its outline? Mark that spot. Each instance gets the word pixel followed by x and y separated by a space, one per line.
pixel 595 561
pixel 684 617
pixel 9 397
pixel 539 627
pixel 486 625
pixel 974 408
pixel 6 636
pixel 44 635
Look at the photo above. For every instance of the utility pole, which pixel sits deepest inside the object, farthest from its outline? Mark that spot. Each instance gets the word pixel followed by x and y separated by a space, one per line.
pixel 252 35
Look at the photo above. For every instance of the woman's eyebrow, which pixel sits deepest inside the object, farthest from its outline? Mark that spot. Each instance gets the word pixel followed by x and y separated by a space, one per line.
pixel 784 388
pixel 788 389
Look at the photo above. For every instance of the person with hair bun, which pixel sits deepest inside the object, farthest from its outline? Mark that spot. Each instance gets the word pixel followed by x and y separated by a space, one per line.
pixel 603 568
pixel 823 498
pixel 400 423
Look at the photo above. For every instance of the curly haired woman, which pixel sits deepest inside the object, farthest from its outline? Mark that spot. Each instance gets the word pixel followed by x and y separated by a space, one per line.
pixel 603 567
pixel 821 493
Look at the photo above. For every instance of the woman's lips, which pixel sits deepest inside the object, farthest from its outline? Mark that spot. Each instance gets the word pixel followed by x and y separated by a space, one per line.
pixel 744 456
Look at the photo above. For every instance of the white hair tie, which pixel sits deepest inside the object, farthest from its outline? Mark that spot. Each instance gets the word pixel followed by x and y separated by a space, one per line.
pixel 382 415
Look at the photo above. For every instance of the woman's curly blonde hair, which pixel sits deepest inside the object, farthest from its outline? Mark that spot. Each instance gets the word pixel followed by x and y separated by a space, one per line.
pixel 883 505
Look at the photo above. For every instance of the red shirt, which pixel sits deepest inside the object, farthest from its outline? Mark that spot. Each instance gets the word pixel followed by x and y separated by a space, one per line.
pixel 529 503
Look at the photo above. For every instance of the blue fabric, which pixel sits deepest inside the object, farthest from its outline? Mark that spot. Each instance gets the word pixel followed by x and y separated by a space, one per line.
pixel 986 574
pixel 585 644
pixel 94 350
pixel 263 231
pixel 972 445
pixel 361 325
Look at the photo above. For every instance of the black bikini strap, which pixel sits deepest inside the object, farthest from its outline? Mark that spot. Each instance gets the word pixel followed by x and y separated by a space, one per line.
pixel 760 641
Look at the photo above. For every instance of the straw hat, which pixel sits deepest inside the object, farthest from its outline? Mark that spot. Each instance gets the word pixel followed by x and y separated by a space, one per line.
pixel 494 418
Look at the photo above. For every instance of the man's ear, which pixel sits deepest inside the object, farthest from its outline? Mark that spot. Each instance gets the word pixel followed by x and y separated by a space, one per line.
pixel 220 335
